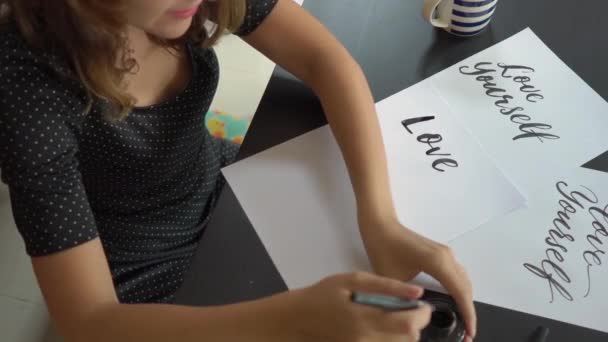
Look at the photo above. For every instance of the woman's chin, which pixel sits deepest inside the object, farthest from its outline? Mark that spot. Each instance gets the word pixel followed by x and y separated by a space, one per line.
pixel 171 31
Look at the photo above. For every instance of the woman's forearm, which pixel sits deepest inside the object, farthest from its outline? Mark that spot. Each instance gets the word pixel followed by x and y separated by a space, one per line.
pixel 349 106
pixel 309 51
pixel 260 320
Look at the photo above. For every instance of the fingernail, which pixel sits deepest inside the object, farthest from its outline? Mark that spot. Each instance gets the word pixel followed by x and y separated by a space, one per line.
pixel 431 306
pixel 418 291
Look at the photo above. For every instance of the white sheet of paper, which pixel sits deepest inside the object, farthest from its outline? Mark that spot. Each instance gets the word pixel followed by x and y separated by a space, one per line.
pixel 440 201
pixel 495 254
pixel 558 98
pixel 308 208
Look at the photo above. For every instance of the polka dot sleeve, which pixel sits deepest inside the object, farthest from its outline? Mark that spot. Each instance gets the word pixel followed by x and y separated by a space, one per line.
pixel 257 11
pixel 38 159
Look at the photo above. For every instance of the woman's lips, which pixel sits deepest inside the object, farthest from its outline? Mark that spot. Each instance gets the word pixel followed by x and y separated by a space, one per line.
pixel 185 13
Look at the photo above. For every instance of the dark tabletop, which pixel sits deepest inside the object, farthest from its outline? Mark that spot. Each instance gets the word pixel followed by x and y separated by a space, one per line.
pixel 396 48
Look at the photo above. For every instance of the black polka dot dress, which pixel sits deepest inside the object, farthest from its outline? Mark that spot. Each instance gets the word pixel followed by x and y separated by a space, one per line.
pixel 145 185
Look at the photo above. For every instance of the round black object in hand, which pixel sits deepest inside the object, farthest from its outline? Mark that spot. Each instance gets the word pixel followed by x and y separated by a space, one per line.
pixel 446 323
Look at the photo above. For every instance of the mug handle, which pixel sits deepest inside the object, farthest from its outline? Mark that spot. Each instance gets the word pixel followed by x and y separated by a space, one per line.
pixel 428 11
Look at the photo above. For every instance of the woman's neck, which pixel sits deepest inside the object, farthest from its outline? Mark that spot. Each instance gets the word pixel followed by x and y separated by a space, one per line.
pixel 160 73
pixel 141 47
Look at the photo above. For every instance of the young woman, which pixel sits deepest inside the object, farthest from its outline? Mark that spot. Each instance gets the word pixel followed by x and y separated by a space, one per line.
pixel 113 176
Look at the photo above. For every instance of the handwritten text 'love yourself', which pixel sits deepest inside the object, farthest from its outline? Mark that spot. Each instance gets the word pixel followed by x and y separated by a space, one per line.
pixel 562 236
pixel 487 73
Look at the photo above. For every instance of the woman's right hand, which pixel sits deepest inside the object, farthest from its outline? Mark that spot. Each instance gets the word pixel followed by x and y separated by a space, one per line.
pixel 325 312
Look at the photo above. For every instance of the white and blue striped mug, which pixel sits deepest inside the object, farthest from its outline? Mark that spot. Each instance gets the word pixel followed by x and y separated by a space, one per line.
pixel 460 17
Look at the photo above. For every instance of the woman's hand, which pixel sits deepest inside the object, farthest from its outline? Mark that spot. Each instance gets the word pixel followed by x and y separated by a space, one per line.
pixel 324 312
pixel 400 253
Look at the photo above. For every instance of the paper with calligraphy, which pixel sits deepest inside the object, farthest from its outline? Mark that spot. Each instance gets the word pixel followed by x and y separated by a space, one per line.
pixel 515 105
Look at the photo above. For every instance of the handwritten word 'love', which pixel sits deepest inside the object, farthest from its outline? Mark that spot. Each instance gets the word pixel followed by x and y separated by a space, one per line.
pixel 430 140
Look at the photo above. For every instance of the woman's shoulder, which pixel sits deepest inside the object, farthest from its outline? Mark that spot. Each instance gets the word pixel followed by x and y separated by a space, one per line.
pixel 39 108
pixel 17 55
pixel 201 54
pixel 31 75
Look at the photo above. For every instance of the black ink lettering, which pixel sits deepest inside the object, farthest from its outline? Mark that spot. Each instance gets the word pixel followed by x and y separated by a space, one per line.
pixel 595 242
pixel 485 79
pixel 491 88
pixel 432 151
pixel 478 68
pixel 595 210
pixel 412 121
pixel 533 94
pixel 526 87
pixel 504 101
pixel 556 254
pixel 506 68
pixel 599 229
pixel 551 241
pixel 431 139
pixel 523 117
pixel 594 257
pixel 593 239
pixel 597 261
pixel 561 218
pixel 588 281
pixel 483 73
pixel 444 161
pixel 509 111
pixel 558 237
pixel 524 80
pixel 530 97
pixel 566 206
pixel 542 273
pixel 529 132
pixel 572 196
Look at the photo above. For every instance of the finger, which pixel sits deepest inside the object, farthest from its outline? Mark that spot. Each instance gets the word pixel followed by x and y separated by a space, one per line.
pixel 467 306
pixel 367 282
pixel 455 280
pixel 408 323
pixel 397 338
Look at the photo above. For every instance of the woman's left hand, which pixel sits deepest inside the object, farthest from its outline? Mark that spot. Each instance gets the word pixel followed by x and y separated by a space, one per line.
pixel 400 253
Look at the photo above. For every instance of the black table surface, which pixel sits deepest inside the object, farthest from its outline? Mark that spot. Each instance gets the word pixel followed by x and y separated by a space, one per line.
pixel 396 48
